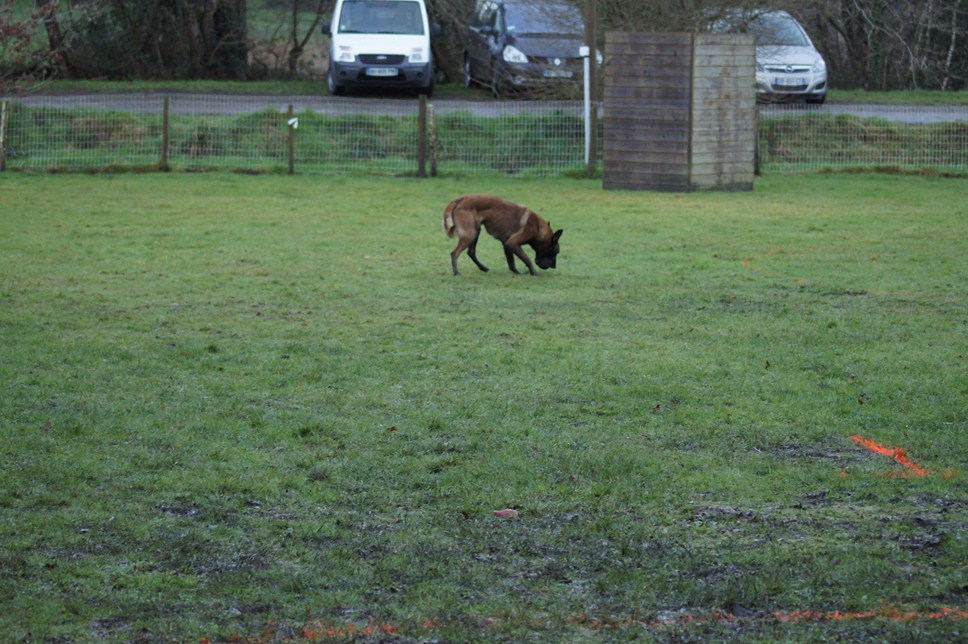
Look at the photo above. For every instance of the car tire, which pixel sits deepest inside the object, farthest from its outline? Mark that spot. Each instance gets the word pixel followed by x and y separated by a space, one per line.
pixel 334 89
pixel 817 100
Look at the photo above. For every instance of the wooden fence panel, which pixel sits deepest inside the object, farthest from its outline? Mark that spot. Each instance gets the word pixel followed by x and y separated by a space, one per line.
pixel 680 111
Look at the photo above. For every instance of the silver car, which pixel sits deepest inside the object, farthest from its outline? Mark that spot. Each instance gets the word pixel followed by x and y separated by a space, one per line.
pixel 788 66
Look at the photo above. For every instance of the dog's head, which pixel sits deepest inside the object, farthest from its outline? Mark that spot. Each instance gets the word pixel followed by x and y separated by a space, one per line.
pixel 546 254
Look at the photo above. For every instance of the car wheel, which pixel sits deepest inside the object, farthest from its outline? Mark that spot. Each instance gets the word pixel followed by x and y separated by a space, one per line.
pixel 334 89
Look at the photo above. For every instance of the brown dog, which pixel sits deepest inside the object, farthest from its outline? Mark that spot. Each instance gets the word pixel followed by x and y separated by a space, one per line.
pixel 511 224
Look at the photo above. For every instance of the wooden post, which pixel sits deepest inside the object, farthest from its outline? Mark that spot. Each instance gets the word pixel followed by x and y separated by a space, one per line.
pixel 165 134
pixel 291 140
pixel 3 136
pixel 422 138
pixel 756 143
pixel 432 140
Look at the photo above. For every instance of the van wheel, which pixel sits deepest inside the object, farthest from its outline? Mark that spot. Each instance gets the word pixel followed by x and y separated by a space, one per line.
pixel 334 89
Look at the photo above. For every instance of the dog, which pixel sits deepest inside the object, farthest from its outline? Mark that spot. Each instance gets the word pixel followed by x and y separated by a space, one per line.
pixel 512 224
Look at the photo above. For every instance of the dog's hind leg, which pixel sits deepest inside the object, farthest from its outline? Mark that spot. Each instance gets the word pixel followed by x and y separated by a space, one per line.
pixel 472 252
pixel 470 245
pixel 461 245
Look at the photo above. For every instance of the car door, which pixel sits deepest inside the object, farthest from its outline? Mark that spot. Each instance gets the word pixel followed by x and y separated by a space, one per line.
pixel 495 42
pixel 480 36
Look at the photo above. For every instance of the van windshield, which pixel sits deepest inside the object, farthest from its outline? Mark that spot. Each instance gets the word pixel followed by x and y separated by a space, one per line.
pixel 381 17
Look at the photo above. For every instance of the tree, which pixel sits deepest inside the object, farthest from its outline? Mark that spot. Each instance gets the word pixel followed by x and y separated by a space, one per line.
pixel 163 39
pixel 22 61
pixel 892 44
pixel 323 7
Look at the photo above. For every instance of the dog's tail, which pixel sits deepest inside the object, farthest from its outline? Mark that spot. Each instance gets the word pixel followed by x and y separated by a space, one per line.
pixel 450 227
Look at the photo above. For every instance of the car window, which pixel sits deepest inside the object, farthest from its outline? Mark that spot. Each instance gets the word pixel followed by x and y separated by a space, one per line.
pixel 381 17
pixel 543 18
pixel 778 30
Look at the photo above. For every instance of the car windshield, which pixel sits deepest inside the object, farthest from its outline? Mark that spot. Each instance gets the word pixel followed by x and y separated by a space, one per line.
pixel 543 18
pixel 380 17
pixel 777 30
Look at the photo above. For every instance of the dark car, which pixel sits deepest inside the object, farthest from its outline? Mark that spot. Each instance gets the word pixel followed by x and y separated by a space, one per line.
pixel 519 45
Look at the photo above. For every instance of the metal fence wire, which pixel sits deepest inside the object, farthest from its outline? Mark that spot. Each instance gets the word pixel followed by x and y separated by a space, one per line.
pixel 380 136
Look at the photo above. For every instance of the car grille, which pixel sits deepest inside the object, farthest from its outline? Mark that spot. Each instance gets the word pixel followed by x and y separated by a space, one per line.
pixel 788 69
pixel 381 59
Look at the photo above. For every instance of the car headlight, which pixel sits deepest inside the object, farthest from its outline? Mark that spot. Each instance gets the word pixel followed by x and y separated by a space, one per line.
pixel 514 55
pixel 345 55
pixel 819 66
pixel 417 55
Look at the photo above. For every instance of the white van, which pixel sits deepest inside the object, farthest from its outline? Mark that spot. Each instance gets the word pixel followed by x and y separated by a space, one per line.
pixel 380 43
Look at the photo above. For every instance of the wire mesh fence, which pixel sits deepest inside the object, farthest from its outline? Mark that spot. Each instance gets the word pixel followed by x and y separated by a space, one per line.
pixel 382 136
pixel 806 138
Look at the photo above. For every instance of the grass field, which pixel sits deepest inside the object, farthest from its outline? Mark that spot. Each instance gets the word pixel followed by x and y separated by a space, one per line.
pixel 260 407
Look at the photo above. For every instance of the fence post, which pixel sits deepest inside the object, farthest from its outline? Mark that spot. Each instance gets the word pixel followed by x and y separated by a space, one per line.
pixel 422 138
pixel 165 134
pixel 3 136
pixel 756 143
pixel 291 140
pixel 432 140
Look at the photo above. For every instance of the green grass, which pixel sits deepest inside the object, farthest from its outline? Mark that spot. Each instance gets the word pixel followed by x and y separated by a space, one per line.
pixel 900 97
pixel 260 406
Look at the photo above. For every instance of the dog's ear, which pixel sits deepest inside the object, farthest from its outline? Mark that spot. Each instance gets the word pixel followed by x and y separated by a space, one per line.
pixel 557 234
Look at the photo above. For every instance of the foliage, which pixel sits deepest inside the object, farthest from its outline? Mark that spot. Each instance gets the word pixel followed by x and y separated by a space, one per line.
pixel 22 62
pixel 260 408
pixel 168 39
pixel 881 44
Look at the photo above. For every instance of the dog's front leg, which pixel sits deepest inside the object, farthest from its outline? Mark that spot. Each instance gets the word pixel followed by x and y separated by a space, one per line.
pixel 510 257
pixel 517 250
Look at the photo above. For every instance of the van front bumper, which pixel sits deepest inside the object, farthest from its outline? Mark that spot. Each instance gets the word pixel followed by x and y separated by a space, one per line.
pixel 363 74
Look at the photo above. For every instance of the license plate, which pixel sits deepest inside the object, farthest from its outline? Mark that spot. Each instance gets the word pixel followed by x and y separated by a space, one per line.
pixel 789 82
pixel 558 73
pixel 381 71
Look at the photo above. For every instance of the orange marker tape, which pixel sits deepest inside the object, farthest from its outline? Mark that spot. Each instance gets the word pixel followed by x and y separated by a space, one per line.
pixel 897 454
